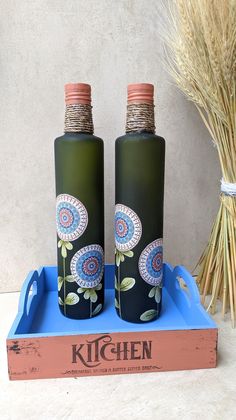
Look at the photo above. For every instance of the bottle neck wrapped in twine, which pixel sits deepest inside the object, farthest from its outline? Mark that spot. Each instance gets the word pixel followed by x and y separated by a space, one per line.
pixel 140 117
pixel 78 115
pixel 140 108
pixel 78 119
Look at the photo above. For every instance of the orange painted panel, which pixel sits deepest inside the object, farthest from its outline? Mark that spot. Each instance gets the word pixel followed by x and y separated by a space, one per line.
pixel 108 354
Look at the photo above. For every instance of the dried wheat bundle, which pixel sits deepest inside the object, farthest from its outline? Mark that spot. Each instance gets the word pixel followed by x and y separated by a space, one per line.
pixel 201 56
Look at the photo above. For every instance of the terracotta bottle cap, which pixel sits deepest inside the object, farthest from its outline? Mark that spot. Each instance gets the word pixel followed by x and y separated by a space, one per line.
pixel 77 93
pixel 140 93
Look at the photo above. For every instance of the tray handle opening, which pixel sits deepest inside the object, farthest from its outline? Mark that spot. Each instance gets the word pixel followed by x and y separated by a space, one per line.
pixel 32 292
pixel 30 297
pixel 186 283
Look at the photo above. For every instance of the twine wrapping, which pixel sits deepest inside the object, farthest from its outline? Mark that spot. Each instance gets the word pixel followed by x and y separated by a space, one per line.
pixel 78 119
pixel 140 117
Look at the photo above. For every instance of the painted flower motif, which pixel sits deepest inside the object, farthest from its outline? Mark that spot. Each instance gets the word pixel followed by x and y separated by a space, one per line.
pixel 151 263
pixel 87 266
pixel 90 293
pixel 71 217
pixel 128 228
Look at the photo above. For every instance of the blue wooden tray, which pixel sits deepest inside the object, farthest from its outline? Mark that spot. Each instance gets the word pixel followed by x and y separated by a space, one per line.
pixel 39 316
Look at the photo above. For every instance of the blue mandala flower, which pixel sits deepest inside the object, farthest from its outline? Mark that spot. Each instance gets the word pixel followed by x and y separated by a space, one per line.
pixel 87 266
pixel 128 228
pixel 71 217
pixel 151 263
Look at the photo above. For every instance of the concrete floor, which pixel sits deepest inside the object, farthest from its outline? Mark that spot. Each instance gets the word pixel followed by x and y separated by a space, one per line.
pixel 201 394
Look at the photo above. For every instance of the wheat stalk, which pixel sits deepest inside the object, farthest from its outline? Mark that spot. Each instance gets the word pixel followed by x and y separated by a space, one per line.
pixel 201 57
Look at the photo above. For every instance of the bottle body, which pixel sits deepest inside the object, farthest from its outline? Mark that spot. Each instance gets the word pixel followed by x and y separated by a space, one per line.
pixel 139 198
pixel 80 224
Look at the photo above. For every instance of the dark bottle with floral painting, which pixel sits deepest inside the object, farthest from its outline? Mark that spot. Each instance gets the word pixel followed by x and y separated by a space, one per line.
pixel 79 208
pixel 140 157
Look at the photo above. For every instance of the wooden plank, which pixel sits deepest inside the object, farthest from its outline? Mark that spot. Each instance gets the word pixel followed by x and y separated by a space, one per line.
pixel 109 354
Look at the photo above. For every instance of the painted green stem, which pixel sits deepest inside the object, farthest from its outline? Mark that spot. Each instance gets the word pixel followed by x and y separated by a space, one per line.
pixel 91 307
pixel 119 290
pixel 64 283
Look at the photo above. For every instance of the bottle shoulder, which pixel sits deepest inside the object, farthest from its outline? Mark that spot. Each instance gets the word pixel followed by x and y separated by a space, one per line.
pixel 143 136
pixel 78 137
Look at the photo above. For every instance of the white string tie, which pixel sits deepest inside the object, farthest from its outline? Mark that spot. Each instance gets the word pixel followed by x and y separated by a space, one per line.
pixel 228 188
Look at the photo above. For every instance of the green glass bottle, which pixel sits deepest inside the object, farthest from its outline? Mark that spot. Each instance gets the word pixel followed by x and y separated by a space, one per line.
pixel 139 194
pixel 79 208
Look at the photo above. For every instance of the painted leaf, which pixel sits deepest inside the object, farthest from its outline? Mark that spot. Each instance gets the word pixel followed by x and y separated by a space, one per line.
pixel 117 304
pixel 59 282
pixel 128 253
pixel 127 284
pixel 152 292
pixel 148 315
pixel 59 243
pixel 72 299
pixel 97 309
pixel 69 246
pixel 158 295
pixel 93 296
pixel 116 283
pixel 122 258
pixel 60 301
pixel 87 294
pixel 70 278
pixel 81 290
pixel 117 259
pixel 63 251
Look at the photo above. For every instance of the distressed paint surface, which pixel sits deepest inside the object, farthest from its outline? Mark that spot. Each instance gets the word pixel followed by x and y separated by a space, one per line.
pixel 109 354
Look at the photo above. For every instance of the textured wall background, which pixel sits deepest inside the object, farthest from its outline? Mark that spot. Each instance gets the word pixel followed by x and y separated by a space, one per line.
pixel 108 43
